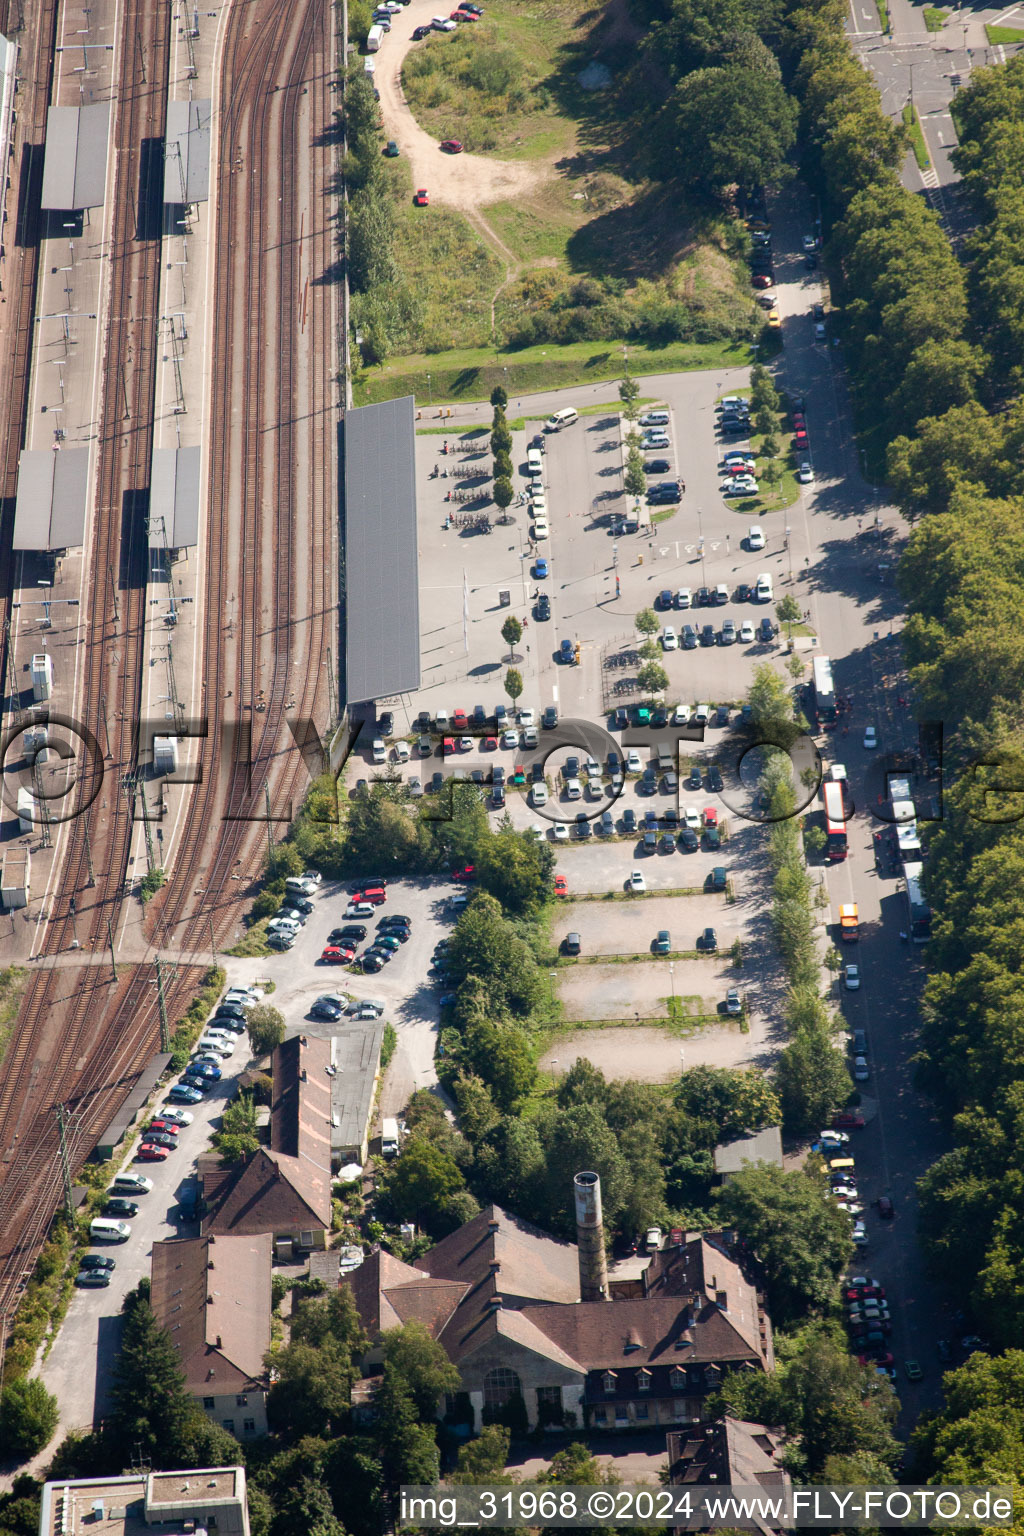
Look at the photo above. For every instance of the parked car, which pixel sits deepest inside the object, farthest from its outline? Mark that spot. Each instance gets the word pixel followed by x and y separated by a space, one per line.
pixel 708 941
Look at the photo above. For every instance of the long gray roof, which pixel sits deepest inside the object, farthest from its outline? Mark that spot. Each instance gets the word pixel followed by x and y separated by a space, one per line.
pixel 75 163
pixel 379 561
pixel 174 498
pixel 49 512
pixel 187 152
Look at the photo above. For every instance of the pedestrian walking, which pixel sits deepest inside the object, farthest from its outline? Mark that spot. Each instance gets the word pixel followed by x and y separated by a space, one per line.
pixel 903 937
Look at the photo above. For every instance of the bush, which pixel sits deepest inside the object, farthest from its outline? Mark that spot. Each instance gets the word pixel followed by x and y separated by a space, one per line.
pixel 266 1028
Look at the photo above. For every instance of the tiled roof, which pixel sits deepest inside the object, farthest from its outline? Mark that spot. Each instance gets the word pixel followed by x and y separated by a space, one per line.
pixel 269 1192
pixel 652 1329
pixel 212 1295
pixel 531 1265
pixel 388 1293
pixel 300 1112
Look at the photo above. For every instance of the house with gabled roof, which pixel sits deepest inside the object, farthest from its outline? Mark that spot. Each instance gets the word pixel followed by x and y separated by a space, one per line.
pixel 505 1300
pixel 212 1296
pixel 283 1189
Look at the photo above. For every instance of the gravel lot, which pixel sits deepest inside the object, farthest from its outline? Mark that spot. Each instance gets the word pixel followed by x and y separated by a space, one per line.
pixel 648 1055
pixel 640 988
pixel 628 927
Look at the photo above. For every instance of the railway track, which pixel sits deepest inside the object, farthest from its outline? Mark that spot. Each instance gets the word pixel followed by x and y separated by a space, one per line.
pixel 271 57
pixel 52 1057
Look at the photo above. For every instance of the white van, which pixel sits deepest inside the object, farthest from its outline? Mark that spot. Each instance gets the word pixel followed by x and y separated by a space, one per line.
pixel 389 1142
pixel 369 64
pixel 535 461
pixel 560 419
pixel 103 1231
pixel 130 1184
pixel 374 38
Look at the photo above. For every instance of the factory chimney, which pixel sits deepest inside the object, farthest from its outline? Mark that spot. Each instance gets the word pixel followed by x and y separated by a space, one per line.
pixel 590 1237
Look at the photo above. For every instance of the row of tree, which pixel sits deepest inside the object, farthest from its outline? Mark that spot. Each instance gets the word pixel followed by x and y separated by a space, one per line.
pixel 383 304
pixel 926 348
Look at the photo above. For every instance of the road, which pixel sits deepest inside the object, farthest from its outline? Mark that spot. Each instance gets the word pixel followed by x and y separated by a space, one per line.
pixel 841 531
pixel 465 181
pixel 912 64
pixel 858 622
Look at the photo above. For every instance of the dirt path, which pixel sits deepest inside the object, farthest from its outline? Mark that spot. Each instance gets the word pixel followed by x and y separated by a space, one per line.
pixel 466 182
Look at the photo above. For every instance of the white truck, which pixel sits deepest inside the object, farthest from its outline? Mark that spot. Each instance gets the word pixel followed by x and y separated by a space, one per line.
pixel 374 38
pixel 389 1142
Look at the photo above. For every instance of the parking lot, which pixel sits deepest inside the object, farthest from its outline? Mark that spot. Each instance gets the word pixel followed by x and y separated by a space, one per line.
pixel 627 927
pixel 596 581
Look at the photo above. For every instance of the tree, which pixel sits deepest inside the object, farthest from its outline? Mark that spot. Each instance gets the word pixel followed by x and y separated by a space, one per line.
pixel 421 1182
pixel 422 1362
pixel 407 1448
pixel 652 677
pixel 499 396
pixel 266 1028
pixel 503 466
pixel 978 1435
pixel 517 870
pixel 728 125
pixel 736 1100
pixel 829 1404
pixel 788 611
pixel 800 1236
pixel 501 439
pixel 646 622
pixel 812 1081
pixel 481 1461
pixel 150 1408
pixel 764 422
pixel 28 1417
pixel 629 393
pixel 635 479
pixel 510 1165
pixel 511 633
pixel 503 492
pixel 771 705
pixel 513 683
pixel 237 1136
pixel 500 1054
pixel 770 447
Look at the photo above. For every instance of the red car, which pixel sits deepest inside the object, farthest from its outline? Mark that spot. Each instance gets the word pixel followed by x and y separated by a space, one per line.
pixel 800 439
pixel 883 1358
pixel 710 816
pixel 762 280
pixel 865 1292
pixel 449 745
pixel 847 1120
pixel 461 15
pixel 149 1152
pixel 164 1125
pixel 459 721
pixel 452 146
pixel 373 894
pixel 468 872
pixel 490 743
pixel 334 955
pixel 421 198
pixel 561 886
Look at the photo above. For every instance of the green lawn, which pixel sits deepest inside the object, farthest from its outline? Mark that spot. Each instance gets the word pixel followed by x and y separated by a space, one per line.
pixel 1006 36
pixel 471 373
pixel 451 275
pixel 912 123
pixel 505 84
pixel 934 17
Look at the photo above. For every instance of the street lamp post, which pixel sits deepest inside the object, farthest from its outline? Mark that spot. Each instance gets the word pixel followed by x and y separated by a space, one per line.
pixel 789 551
pixel 430 396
